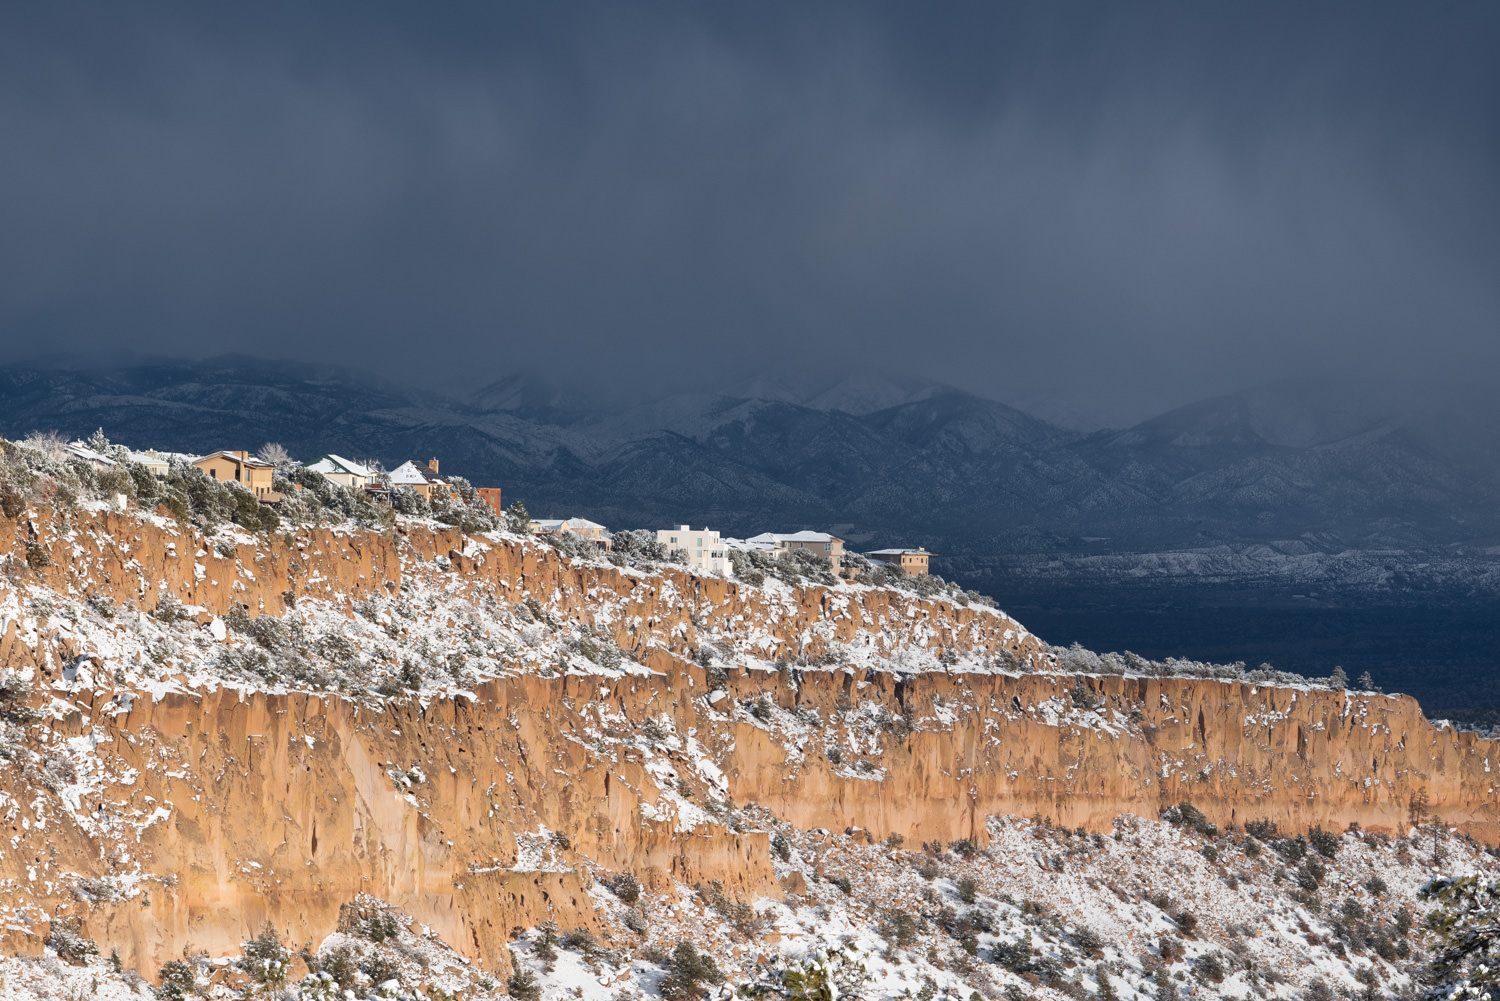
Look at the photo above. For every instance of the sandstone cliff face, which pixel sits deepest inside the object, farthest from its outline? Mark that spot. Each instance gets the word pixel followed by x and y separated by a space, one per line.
pixel 195 815
pixel 133 562
pixel 1018 745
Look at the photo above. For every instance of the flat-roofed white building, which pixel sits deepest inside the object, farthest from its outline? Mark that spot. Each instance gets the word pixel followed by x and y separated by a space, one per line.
pixel 702 547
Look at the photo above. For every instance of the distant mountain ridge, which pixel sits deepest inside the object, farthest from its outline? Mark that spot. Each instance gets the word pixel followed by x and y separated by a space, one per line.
pixel 1270 474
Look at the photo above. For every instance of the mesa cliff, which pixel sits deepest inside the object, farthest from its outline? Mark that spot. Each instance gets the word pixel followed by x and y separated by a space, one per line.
pixel 168 807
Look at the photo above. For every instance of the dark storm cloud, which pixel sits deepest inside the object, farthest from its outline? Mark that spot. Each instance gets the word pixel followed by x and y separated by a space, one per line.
pixel 1129 206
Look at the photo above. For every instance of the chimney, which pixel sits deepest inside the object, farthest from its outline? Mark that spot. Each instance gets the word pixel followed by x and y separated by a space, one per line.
pixel 683 528
pixel 432 466
pixel 242 455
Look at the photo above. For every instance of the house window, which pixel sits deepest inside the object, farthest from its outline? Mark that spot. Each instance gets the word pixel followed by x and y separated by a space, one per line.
pixel 827 547
pixel 214 473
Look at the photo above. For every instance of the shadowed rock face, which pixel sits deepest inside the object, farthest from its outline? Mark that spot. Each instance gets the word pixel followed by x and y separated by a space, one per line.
pixel 243 807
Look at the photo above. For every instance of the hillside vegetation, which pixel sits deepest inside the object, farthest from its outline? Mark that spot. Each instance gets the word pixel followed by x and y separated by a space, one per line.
pixel 328 758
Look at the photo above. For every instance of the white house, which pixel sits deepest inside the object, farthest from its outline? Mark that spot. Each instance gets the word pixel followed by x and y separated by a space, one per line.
pixel 156 463
pixel 581 527
pixel 344 472
pixel 703 548
pixel 423 481
pixel 78 450
pixel 747 545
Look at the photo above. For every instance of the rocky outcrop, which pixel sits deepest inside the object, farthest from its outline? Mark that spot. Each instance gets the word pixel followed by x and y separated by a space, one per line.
pixel 194 817
pixel 285 807
pixel 1020 745
pixel 136 564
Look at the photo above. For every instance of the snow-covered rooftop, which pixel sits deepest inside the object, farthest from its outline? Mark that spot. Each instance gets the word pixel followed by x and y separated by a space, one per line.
pixel 81 451
pixel 567 525
pixel 407 474
pixel 247 460
pixel 331 463
pixel 773 537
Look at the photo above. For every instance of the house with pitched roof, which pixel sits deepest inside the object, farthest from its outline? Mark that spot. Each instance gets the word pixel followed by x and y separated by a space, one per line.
pixel 426 481
pixel 581 527
pixel 78 450
pixel 239 467
pixel 344 472
pixel 820 543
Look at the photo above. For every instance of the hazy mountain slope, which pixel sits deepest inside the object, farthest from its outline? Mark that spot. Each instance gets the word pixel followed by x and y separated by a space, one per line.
pixel 1273 464
pixel 1272 474
pixel 197 405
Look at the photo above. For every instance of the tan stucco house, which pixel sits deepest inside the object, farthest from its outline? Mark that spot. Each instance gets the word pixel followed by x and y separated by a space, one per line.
pixel 238 467
pixel 581 527
pixel 913 561
pixel 821 543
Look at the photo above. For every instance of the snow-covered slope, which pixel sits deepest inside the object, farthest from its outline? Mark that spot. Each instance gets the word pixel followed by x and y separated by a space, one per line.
pixel 203 733
pixel 1148 911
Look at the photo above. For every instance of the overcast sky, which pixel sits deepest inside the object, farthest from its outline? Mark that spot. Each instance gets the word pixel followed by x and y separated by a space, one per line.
pixel 1120 206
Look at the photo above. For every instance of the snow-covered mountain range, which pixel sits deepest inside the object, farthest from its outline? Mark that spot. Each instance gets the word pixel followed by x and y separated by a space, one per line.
pixel 1297 482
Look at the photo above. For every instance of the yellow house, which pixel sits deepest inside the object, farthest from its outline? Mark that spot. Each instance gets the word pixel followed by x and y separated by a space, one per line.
pixel 821 543
pixel 238 467
pixel 913 561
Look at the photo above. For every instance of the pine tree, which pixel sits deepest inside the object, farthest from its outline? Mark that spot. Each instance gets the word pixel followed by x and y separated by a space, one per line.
pixel 1318 990
pixel 1338 680
pixel 690 974
pixel 1165 989
pixel 522 983
pixel 266 957
pixel 1106 988
pixel 517 519
pixel 546 945
pixel 1466 957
